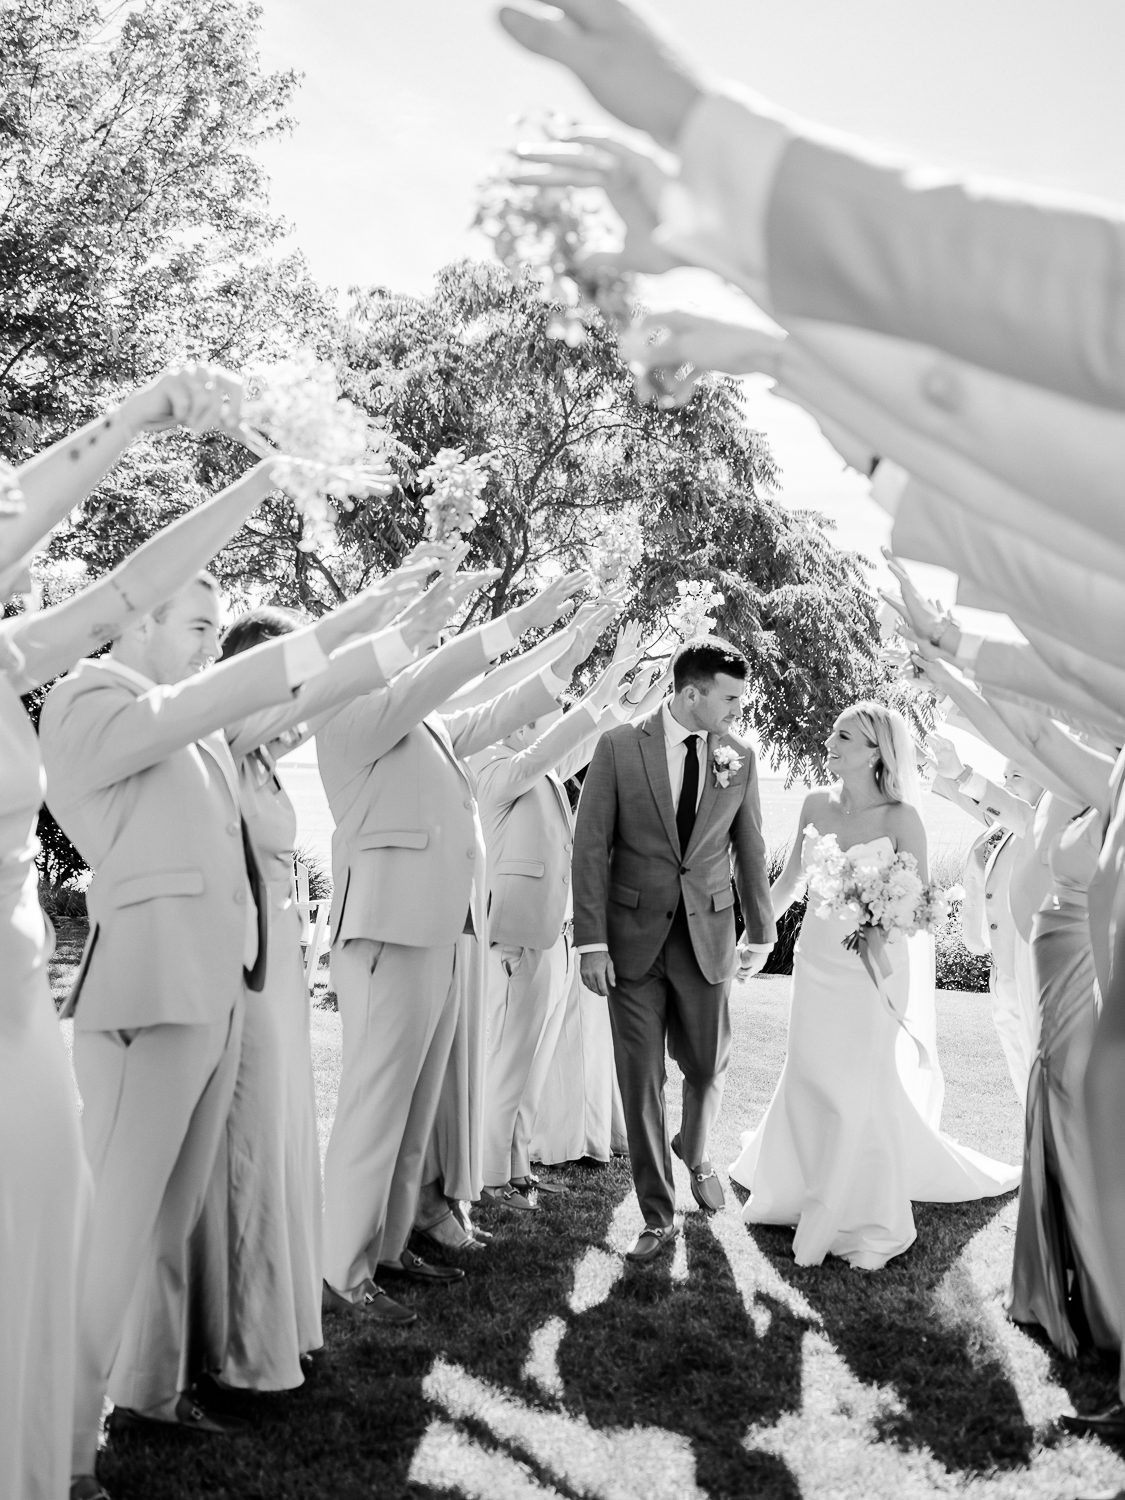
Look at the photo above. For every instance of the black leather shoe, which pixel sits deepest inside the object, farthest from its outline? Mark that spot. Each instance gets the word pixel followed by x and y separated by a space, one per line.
pixel 651 1241
pixel 412 1267
pixel 374 1304
pixel 532 1183
pixel 706 1188
pixel 190 1417
pixel 1108 1424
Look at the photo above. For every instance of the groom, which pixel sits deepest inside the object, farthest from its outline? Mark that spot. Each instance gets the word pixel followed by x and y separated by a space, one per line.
pixel 669 806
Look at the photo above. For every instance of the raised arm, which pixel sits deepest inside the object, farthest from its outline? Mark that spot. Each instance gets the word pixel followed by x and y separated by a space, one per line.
pixel 51 641
pixel 55 481
pixel 1082 770
pixel 983 800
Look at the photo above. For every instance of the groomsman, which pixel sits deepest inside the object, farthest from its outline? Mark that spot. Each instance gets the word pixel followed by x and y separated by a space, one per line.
pixel 409 869
pixel 143 783
pixel 529 833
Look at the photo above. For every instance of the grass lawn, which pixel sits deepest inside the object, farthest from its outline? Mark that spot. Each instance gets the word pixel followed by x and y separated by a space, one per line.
pixel 556 1370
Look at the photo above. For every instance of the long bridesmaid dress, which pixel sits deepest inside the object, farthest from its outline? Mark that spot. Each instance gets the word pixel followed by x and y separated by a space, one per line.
pixel 1060 1269
pixel 580 1111
pixel 45 1184
pixel 257 1276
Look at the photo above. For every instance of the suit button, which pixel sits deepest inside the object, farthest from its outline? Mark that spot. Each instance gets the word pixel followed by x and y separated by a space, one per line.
pixel 988 895
pixel 468 805
pixel 669 913
pixel 566 880
pixel 685 870
pixel 942 388
pixel 233 829
pixel 568 847
pixel 240 898
pixel 470 853
pixel 992 925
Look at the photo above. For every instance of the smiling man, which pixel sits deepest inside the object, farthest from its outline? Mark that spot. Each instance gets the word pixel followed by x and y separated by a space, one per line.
pixel 668 808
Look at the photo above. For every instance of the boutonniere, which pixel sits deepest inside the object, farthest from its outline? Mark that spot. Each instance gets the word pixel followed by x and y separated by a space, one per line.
pixel 725 762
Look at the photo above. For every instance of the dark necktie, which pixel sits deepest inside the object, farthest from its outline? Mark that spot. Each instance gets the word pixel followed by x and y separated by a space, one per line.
pixel 689 792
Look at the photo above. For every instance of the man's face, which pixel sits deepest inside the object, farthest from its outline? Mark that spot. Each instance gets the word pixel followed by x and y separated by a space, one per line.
pixel 1020 784
pixel 187 638
pixel 716 707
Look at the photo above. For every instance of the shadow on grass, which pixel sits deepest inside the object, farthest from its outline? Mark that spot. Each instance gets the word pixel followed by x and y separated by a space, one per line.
pixel 914 1328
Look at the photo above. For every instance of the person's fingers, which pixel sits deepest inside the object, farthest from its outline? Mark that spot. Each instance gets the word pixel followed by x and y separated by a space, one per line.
pixel 559 40
pixel 610 973
pixel 576 175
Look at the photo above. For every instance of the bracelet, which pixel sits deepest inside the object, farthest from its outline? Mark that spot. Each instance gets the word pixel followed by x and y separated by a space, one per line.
pixel 939 630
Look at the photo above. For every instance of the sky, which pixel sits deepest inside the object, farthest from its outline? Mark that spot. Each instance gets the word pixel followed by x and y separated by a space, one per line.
pixel 405 104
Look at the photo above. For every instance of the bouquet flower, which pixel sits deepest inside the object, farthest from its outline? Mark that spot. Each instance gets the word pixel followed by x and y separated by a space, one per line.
pixel 328 451
pixel 454 505
pixel 881 889
pixel 691 614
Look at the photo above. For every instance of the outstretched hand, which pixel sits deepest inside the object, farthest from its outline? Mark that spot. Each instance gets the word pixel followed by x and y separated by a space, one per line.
pixel 628 68
pixel 196 396
pixel 423 620
pixel 550 604
pixel 668 352
pixel 632 180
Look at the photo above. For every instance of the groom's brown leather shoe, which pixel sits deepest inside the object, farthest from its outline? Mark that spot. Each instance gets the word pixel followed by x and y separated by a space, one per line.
pixel 706 1188
pixel 651 1241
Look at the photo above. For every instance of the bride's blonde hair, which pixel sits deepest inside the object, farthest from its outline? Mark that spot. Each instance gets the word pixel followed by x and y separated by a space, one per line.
pixel 896 770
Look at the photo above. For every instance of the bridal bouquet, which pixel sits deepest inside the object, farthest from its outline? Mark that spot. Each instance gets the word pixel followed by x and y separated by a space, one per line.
pixel 876 885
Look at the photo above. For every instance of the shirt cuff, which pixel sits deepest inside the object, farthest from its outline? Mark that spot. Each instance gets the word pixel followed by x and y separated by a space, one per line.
pixel 758 947
pixel 496 637
pixel 593 948
pixel 622 712
pixel 715 214
pixel 391 651
pixel 976 787
pixel 554 684
pixel 303 657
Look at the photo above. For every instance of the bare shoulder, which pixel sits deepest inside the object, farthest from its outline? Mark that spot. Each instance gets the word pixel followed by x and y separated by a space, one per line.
pixel 815 805
pixel 904 821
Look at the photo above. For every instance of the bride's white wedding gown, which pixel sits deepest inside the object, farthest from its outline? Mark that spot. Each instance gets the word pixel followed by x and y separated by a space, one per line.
pixel 850 1136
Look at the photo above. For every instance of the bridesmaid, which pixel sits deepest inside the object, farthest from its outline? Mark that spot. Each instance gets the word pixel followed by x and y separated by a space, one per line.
pixel 45 1183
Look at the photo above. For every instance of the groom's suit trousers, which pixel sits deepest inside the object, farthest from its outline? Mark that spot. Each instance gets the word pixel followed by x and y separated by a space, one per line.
pixel 155 1103
pixel 672 1000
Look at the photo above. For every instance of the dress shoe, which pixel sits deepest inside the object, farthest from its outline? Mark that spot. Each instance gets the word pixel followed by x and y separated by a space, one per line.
pixel 190 1417
pixel 532 1183
pixel 412 1267
pixel 507 1196
pixel 373 1304
pixel 448 1233
pixel 706 1188
pixel 86 1487
pixel 651 1241
pixel 1108 1424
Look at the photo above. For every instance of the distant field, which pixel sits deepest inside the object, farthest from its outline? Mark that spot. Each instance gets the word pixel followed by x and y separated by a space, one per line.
pixel 950 830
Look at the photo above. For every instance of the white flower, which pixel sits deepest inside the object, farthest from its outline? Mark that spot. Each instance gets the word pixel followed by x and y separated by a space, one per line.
pixel 455 505
pixel 690 616
pixel 618 551
pixel 725 762
pixel 329 451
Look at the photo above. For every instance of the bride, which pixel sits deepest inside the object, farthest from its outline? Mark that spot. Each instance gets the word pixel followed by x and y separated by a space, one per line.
pixel 851 1134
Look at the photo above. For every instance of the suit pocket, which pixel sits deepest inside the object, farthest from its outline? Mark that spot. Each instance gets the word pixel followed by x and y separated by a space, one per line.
pixel 624 895
pixel 393 838
pixel 158 883
pixel 721 900
pixel 532 867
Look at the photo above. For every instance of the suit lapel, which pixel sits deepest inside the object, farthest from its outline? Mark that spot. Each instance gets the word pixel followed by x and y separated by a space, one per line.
pixel 710 792
pixel 436 725
pixel 217 747
pixel 655 758
pixel 560 793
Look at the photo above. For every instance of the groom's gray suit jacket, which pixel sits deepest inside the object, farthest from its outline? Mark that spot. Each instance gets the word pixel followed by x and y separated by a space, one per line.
pixel 629 870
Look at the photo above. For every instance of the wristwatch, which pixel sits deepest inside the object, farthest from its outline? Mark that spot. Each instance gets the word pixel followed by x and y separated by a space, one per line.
pixel 965 773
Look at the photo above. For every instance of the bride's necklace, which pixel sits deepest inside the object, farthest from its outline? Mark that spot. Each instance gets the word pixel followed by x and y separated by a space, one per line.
pixel 867 806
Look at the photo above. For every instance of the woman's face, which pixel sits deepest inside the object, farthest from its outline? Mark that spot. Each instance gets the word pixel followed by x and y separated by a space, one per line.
pixel 849 749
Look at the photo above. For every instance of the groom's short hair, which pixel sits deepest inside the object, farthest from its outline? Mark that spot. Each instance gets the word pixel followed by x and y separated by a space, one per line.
pixel 700 661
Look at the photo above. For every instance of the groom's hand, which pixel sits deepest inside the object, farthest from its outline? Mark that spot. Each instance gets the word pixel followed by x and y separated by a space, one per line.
pixel 751 961
pixel 597 972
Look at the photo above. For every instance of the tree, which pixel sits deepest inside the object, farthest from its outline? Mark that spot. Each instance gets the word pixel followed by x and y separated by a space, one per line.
pixel 472 366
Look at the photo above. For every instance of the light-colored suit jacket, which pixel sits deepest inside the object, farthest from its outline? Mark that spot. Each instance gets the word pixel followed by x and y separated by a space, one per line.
pixel 989 917
pixel 629 870
pixel 529 832
pixel 408 846
pixel 145 787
